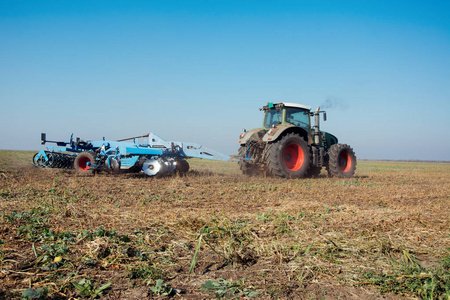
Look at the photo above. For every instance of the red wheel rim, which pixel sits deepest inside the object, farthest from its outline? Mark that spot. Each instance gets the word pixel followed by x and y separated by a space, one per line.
pixel 345 162
pixel 293 157
pixel 83 163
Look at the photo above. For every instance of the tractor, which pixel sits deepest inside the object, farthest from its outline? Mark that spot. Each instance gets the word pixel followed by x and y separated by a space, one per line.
pixel 289 146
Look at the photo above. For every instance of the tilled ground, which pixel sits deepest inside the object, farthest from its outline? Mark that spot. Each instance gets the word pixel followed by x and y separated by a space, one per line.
pixel 216 233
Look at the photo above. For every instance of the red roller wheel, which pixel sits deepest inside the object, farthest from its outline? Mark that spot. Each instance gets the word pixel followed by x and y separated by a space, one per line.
pixel 84 161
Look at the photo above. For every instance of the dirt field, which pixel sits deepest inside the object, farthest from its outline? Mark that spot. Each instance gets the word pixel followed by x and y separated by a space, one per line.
pixel 214 233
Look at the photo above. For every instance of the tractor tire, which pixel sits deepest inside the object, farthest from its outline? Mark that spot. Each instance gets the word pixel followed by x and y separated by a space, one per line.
pixel 83 161
pixel 182 166
pixel 289 157
pixel 342 161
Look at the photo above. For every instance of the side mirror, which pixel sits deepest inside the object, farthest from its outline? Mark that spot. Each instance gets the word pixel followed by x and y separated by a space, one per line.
pixel 324 116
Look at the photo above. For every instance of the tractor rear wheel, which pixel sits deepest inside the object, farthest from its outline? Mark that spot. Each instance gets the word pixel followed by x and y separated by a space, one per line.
pixel 288 157
pixel 342 161
pixel 84 161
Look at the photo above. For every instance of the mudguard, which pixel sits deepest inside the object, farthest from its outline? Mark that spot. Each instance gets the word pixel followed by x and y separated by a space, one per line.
pixel 243 138
pixel 329 139
pixel 274 133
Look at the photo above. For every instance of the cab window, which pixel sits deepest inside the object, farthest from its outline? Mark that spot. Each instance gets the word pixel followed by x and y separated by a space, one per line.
pixel 272 117
pixel 298 117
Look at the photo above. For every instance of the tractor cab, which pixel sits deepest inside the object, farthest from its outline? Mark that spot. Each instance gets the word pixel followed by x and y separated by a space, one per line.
pixel 286 114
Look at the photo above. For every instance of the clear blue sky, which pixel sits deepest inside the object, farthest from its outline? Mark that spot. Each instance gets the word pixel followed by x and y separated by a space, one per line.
pixel 197 71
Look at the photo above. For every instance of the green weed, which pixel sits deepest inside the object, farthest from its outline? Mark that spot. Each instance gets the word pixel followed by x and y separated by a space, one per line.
pixel 226 289
pixel 264 217
pixel 409 276
pixel 86 289
pixel 231 239
pixel 144 271
pixel 100 232
pixel 35 216
pixel 197 248
pixel 161 289
pixel 39 293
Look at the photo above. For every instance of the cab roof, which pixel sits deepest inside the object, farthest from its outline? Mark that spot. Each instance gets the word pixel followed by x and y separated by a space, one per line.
pixel 296 105
pixel 286 104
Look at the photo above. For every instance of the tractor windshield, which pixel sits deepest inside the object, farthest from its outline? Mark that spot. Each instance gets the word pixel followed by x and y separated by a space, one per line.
pixel 272 117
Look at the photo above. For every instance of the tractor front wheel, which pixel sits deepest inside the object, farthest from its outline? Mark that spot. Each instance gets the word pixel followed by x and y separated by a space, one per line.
pixel 84 161
pixel 342 161
pixel 288 157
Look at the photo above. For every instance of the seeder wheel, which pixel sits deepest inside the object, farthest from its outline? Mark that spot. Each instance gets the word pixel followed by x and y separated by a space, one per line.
pixel 84 161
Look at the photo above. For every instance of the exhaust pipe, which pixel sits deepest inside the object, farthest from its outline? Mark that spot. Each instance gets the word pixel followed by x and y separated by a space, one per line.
pixel 317 134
